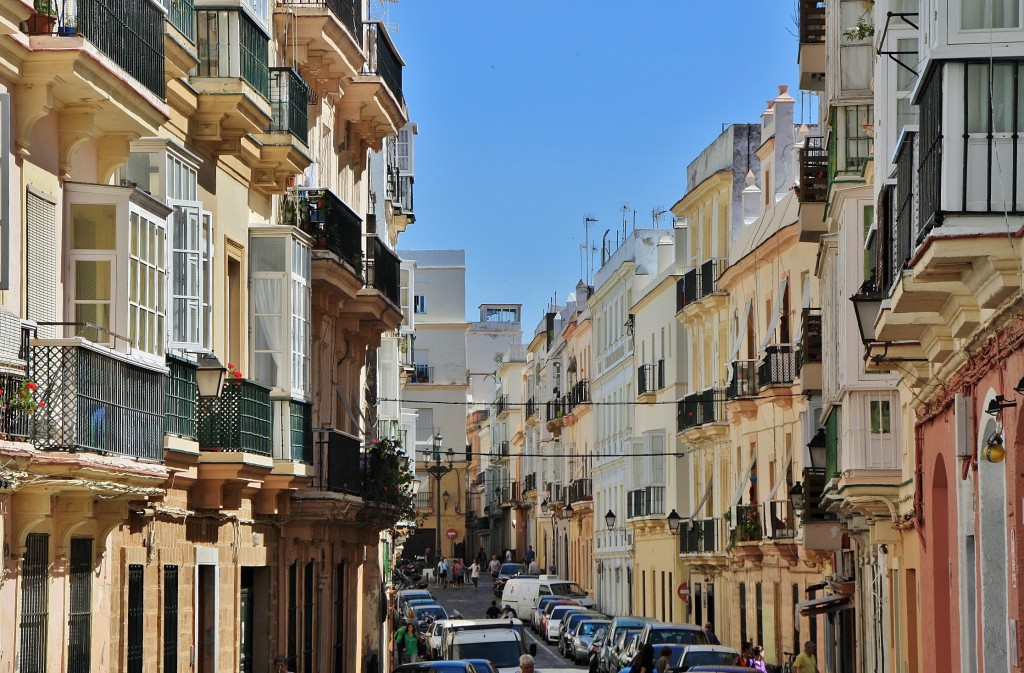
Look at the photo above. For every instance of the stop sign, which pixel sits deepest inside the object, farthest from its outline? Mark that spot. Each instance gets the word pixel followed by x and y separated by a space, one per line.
pixel 683 591
pixel 452 533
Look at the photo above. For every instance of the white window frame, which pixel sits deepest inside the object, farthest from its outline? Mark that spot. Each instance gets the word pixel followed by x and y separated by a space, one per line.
pixel 147 315
pixel 292 296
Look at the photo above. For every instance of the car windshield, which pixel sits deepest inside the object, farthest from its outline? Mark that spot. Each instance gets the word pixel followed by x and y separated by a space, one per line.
pixel 503 653
pixel 432 611
pixel 625 634
pixel 677 637
pixel 510 569
pixel 698 658
pixel 589 628
pixel 560 612
pixel 567 589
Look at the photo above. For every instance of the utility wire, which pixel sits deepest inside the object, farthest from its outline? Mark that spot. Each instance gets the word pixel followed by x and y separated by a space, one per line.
pixel 594 404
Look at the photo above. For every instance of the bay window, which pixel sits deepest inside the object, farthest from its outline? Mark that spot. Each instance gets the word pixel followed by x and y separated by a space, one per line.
pixel 170 173
pixel 280 281
pixel 117 266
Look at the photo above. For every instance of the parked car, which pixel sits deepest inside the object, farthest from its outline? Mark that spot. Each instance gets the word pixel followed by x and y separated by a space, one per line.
pixel 483 665
pixel 554 620
pixel 431 638
pixel 578 642
pixel 538 608
pixel 629 650
pixel 416 602
pixel 568 625
pixel 501 646
pixel 522 593
pixel 428 614
pixel 437 667
pixel 676 651
pixel 663 633
pixel 614 640
pixel 703 655
pixel 719 669
pixel 594 651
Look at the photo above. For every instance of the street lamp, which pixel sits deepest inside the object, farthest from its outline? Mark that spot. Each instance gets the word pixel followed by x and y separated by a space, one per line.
pixel 437 471
pixel 796 496
pixel 818 447
pixel 445 495
pixel 673 521
pixel 609 519
pixel 210 373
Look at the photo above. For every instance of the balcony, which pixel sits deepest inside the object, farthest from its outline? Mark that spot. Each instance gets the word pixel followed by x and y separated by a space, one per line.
pixel 812 192
pixel 334 228
pixel 777 367
pixel 686 290
pixel 375 95
pixel 283 149
pixel 811 57
pixel 646 381
pixel 422 374
pixel 580 394
pixel 504 448
pixel 83 66
pixel 780 522
pixel 15 424
pixel 327 35
pixel 748 525
pixel 181 396
pixel 582 490
pixel 424 500
pixel 94 401
pixel 480 479
pixel 744 380
pixel 508 495
pixel 293 431
pixel 382 271
pixel 699 284
pixel 531 408
pixel 850 143
pixel 501 406
pixel 182 15
pixel 530 482
pixel 240 420
pixel 700 409
pixel 340 468
pixel 702 536
pixel 649 501
pixel 808 358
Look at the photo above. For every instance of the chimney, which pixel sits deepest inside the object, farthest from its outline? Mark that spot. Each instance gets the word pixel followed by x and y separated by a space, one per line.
pixel 750 200
pixel 785 137
pixel 665 252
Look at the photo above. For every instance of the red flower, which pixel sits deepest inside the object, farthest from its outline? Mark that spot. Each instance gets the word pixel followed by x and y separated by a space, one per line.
pixel 231 366
pixel 31 386
pixel 237 374
pixel 42 404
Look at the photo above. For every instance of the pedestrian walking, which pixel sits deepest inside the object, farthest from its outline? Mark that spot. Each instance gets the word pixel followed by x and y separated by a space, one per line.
pixel 534 568
pixel 508 556
pixel 442 572
pixel 406 644
pixel 663 661
pixel 807 661
pixel 529 555
pixel 494 566
pixel 644 661
pixel 494 611
pixel 474 574
pixel 757 662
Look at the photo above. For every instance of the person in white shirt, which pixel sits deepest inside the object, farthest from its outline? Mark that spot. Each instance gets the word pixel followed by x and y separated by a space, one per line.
pixel 474 573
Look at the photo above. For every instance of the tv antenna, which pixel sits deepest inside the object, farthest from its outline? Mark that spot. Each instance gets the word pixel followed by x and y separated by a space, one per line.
pixel 586 262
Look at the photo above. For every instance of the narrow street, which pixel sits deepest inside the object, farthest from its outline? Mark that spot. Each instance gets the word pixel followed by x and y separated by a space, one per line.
pixel 473 603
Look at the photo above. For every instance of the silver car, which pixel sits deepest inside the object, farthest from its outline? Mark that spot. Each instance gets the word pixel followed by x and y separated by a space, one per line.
pixel 578 645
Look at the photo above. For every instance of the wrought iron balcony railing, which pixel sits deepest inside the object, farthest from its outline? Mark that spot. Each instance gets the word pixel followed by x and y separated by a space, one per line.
pixel 503 449
pixel 328 220
pixel 707 406
pixel 422 374
pixel 14 423
pixel 530 482
pixel 400 190
pixel 557 408
pixel 288 97
pixel 181 396
pixel 501 405
pixel 245 54
pixel 710 270
pixel 129 32
pixel 581 490
pixel 744 380
pixel 747 525
pixel 813 186
pixel 812 21
pixel 779 520
pixel 382 58
pixel 424 500
pixel 645 502
pixel 810 343
pixel 778 367
pixel 580 393
pixel 480 479
pixel 645 380
pixel 340 467
pixel 661 373
pixel 383 269
pixel 94 401
pixel 531 407
pixel 702 536
pixel 349 13
pixel 239 420
pixel 814 480
pixel 686 290
pixel 182 15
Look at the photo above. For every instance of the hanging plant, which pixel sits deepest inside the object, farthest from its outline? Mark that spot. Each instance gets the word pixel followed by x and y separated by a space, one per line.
pixel 862 31
pixel 387 486
pixel 24 400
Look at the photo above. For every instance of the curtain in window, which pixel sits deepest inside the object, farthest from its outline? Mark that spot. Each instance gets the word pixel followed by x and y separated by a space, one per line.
pixel 268 330
pixel 981 14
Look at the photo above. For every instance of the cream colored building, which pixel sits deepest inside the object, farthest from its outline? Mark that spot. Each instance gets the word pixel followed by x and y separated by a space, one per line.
pixel 146 528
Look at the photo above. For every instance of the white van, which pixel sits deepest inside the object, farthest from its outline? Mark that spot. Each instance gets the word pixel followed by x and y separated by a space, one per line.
pixel 502 646
pixel 521 594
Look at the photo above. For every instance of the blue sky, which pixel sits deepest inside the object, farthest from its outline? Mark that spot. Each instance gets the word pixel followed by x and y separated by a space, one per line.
pixel 532 114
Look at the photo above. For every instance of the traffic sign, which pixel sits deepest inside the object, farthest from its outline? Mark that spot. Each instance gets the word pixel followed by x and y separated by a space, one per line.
pixel 452 533
pixel 683 591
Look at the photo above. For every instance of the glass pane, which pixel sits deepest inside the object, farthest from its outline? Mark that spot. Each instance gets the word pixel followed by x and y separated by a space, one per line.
pixel 92 279
pixel 93 226
pixel 94 314
pixel 977 97
pixel 267 333
pixel 979 14
pixel 907 48
pixel 267 254
pixel 267 369
pixel 1002 97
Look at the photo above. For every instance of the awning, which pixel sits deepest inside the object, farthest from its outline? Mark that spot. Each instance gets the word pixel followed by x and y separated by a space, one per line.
pixel 743 482
pixel 707 492
pixel 824 604
pixel 776 311
pixel 782 476
pixel 741 331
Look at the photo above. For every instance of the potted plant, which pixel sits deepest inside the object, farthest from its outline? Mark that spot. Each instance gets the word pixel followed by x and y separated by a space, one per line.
pixel 44 18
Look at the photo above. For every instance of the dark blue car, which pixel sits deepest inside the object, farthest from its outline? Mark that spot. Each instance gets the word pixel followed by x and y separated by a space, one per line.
pixel 437 667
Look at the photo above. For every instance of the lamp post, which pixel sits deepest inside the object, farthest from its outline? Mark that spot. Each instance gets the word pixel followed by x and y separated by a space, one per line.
pixel 437 471
pixel 210 373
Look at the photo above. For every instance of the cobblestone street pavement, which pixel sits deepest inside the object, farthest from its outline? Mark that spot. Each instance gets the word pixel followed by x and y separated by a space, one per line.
pixel 473 603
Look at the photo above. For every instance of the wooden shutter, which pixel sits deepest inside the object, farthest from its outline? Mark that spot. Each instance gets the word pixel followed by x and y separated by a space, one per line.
pixel 170 618
pixel 136 616
pixel 41 262
pixel 34 616
pixel 80 606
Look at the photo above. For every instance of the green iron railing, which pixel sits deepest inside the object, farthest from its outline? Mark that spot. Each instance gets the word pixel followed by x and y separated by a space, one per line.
pixel 301 417
pixel 832 445
pixel 181 395
pixel 288 96
pixel 182 15
pixel 239 420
